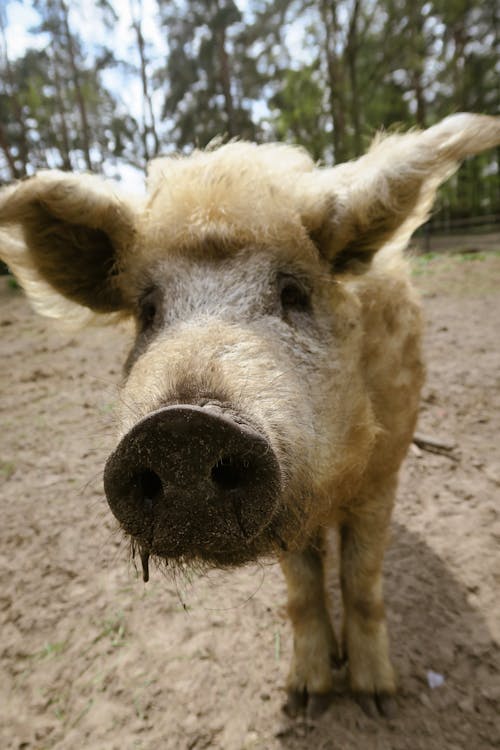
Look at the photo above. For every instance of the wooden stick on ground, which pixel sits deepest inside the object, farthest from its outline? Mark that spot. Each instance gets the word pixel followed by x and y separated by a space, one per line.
pixel 435 445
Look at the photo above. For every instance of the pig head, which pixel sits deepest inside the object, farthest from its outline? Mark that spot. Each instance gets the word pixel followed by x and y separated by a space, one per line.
pixel 272 389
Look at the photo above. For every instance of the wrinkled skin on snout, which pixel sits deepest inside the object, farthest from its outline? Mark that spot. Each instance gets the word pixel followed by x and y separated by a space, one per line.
pixel 272 390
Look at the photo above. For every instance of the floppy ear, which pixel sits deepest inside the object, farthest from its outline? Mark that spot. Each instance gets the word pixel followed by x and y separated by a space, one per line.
pixel 66 234
pixel 355 208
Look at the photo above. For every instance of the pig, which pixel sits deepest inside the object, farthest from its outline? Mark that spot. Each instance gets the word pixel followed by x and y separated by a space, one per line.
pixel 272 390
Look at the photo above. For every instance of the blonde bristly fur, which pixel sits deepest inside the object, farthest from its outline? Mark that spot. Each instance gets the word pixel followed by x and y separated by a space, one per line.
pixel 245 193
pixel 333 385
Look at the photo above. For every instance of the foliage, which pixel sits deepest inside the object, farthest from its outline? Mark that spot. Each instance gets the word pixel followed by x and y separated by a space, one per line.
pixel 204 97
pixel 321 73
pixel 298 112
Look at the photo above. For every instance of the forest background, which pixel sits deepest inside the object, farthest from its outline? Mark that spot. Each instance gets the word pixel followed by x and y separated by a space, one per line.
pixel 106 85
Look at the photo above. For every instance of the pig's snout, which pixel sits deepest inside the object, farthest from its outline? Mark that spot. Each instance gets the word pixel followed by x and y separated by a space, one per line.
pixel 190 482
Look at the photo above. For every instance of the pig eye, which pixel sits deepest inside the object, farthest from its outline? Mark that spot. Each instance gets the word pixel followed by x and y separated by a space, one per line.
pixel 148 308
pixel 293 294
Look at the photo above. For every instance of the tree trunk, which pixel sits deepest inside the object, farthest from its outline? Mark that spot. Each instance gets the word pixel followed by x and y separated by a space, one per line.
pixel 148 127
pixel 18 110
pixel 65 147
pixel 335 75
pixel 351 53
pixel 78 89
pixel 417 63
pixel 225 79
pixel 418 88
pixel 14 172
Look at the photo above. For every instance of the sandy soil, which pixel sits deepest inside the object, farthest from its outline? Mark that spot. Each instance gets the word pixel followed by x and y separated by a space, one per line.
pixel 93 658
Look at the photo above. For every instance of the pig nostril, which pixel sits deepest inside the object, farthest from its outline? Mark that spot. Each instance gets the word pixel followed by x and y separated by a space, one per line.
pixel 230 473
pixel 150 485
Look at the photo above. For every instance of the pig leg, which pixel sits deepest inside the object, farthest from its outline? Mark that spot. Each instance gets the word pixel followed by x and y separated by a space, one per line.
pixel 314 644
pixel 363 538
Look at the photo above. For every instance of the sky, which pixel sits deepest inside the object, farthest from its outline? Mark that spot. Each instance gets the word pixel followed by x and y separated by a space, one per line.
pixel 86 19
pixel 21 17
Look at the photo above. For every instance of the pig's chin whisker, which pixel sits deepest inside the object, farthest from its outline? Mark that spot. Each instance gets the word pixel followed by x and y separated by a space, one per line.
pixel 183 572
pixel 245 601
pixel 175 569
pixel 91 482
pixel 113 544
pixel 112 384
pixel 133 407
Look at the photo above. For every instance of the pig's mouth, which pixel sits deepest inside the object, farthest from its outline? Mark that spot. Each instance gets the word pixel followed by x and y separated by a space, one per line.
pixel 195 484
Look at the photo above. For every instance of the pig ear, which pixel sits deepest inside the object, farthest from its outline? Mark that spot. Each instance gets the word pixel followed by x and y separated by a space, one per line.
pixel 388 193
pixel 64 237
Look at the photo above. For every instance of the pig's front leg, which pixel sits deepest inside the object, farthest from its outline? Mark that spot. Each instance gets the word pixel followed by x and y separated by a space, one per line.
pixel 309 682
pixel 363 539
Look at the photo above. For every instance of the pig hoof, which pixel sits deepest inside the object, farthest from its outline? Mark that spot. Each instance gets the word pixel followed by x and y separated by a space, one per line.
pixel 295 703
pixel 300 701
pixel 338 660
pixel 366 702
pixel 386 705
pixel 373 705
pixel 318 704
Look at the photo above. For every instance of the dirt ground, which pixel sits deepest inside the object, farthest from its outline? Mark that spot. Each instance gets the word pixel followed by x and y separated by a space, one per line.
pixel 93 658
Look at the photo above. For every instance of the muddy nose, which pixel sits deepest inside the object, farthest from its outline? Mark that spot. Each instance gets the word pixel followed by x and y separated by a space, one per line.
pixel 187 481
